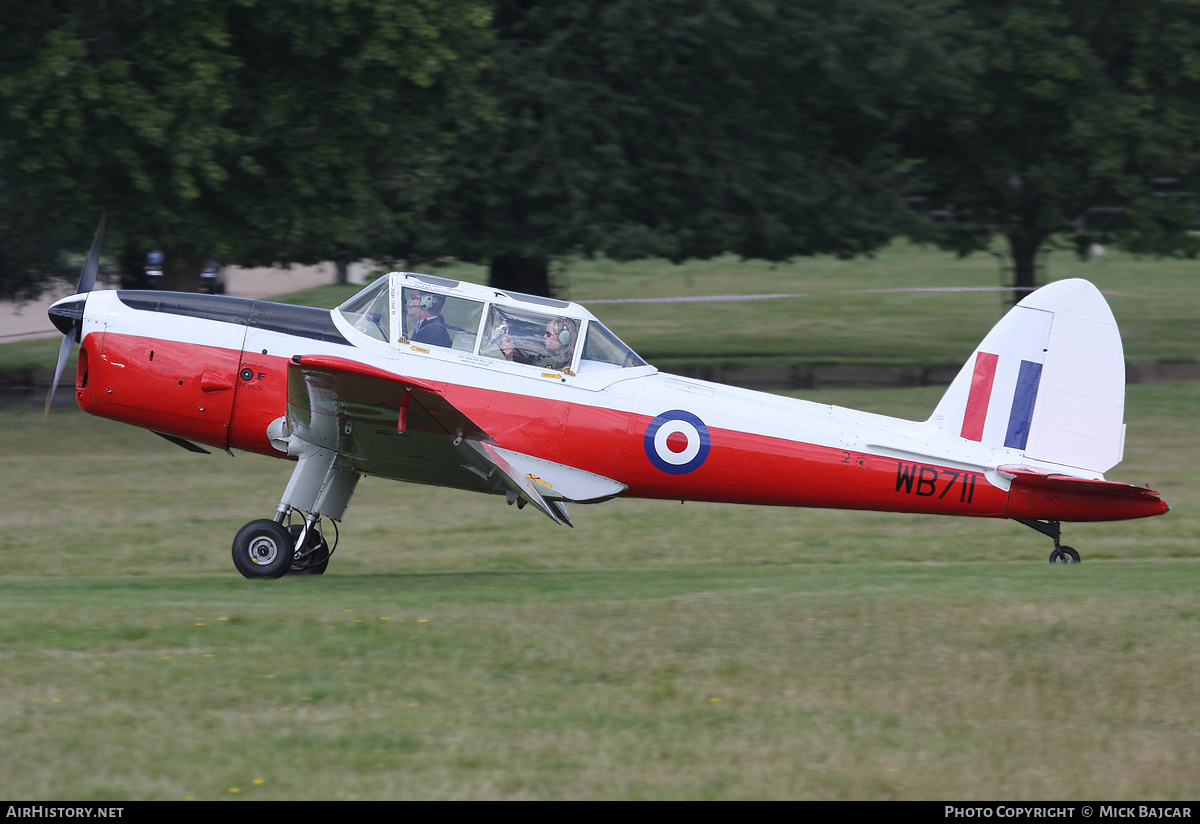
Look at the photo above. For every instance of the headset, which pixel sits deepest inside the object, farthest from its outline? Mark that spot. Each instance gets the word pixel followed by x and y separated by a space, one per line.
pixel 564 334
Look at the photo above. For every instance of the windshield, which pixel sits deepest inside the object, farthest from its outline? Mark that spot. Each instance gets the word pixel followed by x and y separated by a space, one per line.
pixel 369 311
pixel 604 350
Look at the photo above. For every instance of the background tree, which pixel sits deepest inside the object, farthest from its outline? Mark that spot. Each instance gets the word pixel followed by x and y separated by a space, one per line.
pixel 243 130
pixel 1062 107
pixel 686 129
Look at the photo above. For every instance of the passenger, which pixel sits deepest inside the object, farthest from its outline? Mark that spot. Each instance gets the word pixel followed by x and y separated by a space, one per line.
pixel 425 315
pixel 553 350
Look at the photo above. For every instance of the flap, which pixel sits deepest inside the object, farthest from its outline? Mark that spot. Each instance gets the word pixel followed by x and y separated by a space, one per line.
pixel 543 483
pixel 557 480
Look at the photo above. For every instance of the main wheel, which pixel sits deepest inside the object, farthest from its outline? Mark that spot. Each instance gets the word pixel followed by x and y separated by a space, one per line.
pixel 317 561
pixel 262 549
pixel 1064 555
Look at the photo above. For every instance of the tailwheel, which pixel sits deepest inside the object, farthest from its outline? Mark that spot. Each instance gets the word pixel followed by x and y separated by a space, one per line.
pixel 313 557
pixel 1053 530
pixel 263 549
pixel 1064 555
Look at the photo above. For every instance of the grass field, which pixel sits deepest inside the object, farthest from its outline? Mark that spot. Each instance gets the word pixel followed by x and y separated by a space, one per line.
pixel 846 311
pixel 458 648
pixel 842 315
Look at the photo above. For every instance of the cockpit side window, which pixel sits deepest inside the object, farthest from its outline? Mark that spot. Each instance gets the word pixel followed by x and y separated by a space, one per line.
pixel 603 349
pixel 546 341
pixel 369 311
pixel 436 319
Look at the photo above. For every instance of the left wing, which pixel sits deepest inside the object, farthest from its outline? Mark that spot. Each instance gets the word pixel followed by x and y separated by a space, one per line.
pixel 395 427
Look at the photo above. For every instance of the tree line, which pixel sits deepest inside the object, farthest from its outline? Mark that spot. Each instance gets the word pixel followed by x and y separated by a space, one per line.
pixel 517 133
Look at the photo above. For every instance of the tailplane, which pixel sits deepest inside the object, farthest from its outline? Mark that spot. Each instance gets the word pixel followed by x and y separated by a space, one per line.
pixel 1048 380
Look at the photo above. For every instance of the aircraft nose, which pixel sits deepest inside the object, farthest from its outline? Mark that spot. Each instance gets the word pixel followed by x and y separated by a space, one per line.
pixel 67 314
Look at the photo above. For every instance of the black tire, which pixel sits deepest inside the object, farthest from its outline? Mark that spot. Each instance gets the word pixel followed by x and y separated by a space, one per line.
pixel 318 561
pixel 1064 555
pixel 262 549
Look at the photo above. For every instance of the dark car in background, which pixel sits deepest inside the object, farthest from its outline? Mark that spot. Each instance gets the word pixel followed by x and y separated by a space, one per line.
pixel 212 279
pixel 144 276
pixel 150 274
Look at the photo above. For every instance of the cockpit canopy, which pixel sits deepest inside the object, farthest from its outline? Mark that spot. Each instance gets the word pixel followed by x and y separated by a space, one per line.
pixel 428 311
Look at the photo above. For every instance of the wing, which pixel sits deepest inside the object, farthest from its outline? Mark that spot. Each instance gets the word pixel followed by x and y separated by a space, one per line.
pixel 396 427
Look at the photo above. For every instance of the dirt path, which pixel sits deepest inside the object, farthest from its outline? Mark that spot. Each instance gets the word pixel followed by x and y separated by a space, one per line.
pixel 20 321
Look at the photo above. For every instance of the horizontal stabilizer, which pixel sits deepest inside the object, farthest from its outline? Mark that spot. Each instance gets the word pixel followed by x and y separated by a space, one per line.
pixel 1025 476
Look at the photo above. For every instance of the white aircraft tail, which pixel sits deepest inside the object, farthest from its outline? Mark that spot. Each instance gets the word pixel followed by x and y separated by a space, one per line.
pixel 1049 380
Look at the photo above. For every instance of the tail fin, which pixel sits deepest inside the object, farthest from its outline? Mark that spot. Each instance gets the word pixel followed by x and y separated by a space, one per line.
pixel 1049 380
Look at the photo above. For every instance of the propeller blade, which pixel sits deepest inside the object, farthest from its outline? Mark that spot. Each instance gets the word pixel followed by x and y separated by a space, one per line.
pixel 87 278
pixel 64 352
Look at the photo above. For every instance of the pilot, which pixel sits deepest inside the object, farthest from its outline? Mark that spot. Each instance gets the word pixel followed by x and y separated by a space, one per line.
pixel 425 316
pixel 559 339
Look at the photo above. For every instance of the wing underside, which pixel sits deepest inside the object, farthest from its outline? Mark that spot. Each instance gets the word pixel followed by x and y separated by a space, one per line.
pixel 394 427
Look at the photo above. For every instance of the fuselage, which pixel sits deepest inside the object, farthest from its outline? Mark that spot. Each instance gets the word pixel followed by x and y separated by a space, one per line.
pixel 214 370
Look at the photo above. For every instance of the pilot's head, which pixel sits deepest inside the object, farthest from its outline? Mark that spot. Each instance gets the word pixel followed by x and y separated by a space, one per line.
pixel 559 335
pixel 424 304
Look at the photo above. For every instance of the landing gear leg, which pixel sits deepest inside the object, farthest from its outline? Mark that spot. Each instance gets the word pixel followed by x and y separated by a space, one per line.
pixel 271 549
pixel 1061 554
pixel 311 553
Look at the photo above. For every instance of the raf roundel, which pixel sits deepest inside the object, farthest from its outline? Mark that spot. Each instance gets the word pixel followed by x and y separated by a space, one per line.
pixel 677 442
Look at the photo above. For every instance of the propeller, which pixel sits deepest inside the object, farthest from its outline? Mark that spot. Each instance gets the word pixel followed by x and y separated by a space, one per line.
pixel 67 314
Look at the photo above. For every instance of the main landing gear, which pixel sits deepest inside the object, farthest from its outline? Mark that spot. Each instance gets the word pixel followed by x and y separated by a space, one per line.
pixel 318 487
pixel 1061 554
pixel 268 549
pixel 310 557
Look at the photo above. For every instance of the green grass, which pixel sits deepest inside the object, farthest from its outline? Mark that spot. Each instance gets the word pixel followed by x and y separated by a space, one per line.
pixel 459 648
pixel 838 319
pixel 33 352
